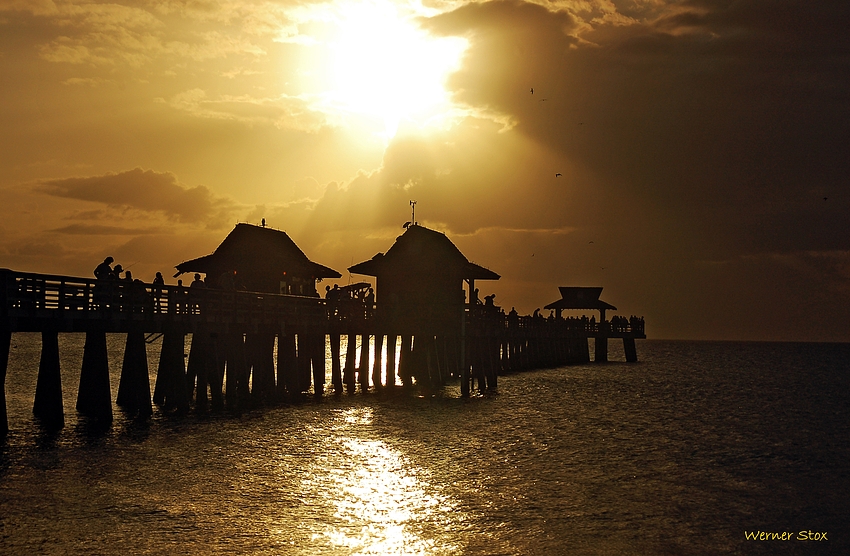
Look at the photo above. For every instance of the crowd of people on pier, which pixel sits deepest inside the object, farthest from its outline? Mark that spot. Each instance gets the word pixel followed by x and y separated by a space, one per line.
pixel 489 311
pixel 125 293
pixel 350 302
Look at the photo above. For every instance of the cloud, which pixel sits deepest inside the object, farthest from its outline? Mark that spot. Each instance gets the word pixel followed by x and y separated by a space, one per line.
pixel 713 117
pixel 102 230
pixel 148 191
pixel 114 35
pixel 282 112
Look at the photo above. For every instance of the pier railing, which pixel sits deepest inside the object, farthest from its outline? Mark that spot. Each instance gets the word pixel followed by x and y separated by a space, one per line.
pixel 38 297
pixel 491 321
pixel 31 296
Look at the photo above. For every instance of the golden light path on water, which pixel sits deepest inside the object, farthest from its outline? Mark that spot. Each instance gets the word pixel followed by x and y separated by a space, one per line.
pixel 376 494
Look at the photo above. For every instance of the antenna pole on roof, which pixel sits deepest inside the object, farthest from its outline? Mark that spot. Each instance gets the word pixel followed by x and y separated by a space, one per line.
pixel 413 214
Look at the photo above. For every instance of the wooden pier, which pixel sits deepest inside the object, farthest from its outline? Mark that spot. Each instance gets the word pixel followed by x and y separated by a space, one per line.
pixel 233 344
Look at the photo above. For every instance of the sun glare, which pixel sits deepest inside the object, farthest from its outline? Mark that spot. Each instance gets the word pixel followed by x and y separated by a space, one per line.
pixel 378 63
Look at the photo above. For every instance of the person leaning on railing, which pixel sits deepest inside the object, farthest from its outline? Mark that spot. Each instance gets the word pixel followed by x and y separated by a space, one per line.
pixel 103 272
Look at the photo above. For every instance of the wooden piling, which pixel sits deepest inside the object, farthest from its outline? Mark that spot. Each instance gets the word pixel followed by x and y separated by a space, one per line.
pixel 415 366
pixel 134 388
pixel 94 398
pixel 465 376
pixel 601 351
pixel 287 362
pixel 317 359
pixel 170 390
pixel 492 365
pixel 5 344
pixel 348 376
pixel 304 359
pixel 215 368
pixel 378 361
pixel 363 363
pixel 404 360
pixel 260 352
pixel 630 350
pixel 197 378
pixel 336 370
pixel 48 406
pixel 236 381
pixel 392 349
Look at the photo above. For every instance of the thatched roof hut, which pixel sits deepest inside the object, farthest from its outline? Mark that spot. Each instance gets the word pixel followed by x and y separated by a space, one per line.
pixel 421 278
pixel 581 298
pixel 260 259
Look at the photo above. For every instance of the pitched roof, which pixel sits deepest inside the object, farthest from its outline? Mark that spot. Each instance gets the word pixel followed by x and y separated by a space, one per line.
pixel 423 249
pixel 573 297
pixel 257 248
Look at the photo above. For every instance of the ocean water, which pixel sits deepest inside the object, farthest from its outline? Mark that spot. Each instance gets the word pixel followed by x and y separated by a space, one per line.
pixel 681 453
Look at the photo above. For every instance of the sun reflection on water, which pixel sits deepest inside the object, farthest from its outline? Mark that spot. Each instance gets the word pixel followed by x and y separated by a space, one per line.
pixel 380 499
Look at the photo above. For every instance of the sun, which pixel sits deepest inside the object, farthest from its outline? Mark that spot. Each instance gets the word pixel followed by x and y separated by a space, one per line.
pixel 378 64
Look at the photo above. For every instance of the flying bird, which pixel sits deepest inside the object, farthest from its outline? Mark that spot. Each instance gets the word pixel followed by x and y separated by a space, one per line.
pixel 558 175
pixel 825 198
pixel 590 242
pixel 543 99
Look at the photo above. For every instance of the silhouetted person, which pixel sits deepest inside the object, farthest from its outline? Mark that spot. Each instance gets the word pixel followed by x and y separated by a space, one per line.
pixel 102 272
pixel 194 294
pixel 137 294
pixel 114 287
pixel 158 282
pixel 370 303
pixel 104 269
pixel 177 301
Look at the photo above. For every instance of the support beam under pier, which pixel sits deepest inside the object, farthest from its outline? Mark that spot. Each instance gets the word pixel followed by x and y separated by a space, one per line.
pixel 48 406
pixel 5 343
pixel 601 350
pixel 630 350
pixel 94 397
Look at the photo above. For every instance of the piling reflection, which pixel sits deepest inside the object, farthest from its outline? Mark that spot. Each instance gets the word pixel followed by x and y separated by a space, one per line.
pixel 382 503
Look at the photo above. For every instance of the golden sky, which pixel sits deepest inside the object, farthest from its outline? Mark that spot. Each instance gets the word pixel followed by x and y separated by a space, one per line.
pixel 701 144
